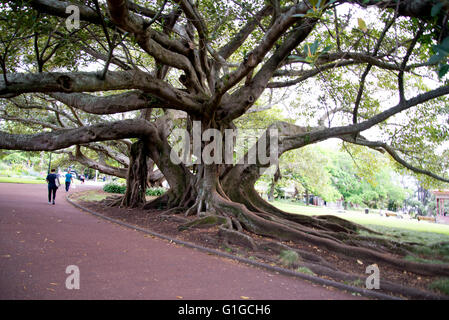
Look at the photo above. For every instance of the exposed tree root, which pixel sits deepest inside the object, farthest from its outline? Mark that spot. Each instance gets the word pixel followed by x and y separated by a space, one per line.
pixel 320 267
pixel 208 220
pixel 288 231
pixel 235 237
pixel 331 233
pixel 113 201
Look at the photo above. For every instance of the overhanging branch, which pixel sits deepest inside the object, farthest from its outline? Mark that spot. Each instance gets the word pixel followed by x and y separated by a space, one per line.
pixel 49 141
pixel 394 154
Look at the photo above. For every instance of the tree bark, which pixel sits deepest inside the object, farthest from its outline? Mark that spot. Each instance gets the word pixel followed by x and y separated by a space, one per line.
pixel 136 182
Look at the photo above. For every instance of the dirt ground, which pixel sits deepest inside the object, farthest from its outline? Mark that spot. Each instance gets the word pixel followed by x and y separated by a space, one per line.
pixel 208 236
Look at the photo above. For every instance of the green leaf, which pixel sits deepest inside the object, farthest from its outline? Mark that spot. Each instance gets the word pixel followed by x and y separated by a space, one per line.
pixel 436 58
pixel 443 70
pixel 297 58
pixel 314 47
pixel 327 49
pixel 442 50
pixel 307 51
pixel 445 43
pixel 362 25
pixel 436 9
pixel 313 3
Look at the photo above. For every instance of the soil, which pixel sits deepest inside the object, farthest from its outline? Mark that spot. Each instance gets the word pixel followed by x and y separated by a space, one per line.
pixel 208 236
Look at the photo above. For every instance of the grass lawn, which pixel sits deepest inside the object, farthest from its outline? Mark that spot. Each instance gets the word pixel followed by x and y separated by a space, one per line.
pixel 375 220
pixel 92 195
pixel 20 180
pixel 95 195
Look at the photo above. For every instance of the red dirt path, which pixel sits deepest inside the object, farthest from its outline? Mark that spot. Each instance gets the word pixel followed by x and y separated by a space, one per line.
pixel 38 241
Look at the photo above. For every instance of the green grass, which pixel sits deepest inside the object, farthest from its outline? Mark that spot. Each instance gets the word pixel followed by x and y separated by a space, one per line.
pixel 354 283
pixel 92 195
pixel 366 219
pixel 21 180
pixel 407 235
pixel 432 238
pixel 305 270
pixel 441 285
pixel 423 260
pixel 288 257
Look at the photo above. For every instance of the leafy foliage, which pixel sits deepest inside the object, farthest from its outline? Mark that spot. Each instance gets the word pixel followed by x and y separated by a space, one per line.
pixel 114 188
pixel 121 189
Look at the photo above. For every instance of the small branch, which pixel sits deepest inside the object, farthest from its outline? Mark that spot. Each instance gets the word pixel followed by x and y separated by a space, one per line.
pixel 404 64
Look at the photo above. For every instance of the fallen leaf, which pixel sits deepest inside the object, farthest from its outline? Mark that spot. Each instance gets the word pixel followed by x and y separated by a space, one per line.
pixel 179 297
pixel 53 283
pixel 359 262
pixel 244 298
pixel 6 256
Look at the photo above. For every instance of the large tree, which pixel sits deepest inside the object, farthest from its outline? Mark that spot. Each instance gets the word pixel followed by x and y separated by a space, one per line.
pixel 215 62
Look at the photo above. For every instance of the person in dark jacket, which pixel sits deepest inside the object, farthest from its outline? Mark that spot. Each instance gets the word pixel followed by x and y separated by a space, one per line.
pixel 53 184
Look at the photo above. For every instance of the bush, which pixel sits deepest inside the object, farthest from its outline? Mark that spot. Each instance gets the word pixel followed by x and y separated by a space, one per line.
pixel 114 188
pixel 156 192
pixel 121 188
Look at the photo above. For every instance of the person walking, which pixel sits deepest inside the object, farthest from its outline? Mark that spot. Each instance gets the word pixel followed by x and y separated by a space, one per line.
pixel 68 180
pixel 53 184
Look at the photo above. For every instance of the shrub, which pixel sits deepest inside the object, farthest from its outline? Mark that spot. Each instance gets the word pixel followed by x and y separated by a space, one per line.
pixel 121 188
pixel 155 192
pixel 114 188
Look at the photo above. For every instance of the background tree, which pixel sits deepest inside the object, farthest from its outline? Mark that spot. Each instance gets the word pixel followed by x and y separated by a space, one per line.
pixel 308 169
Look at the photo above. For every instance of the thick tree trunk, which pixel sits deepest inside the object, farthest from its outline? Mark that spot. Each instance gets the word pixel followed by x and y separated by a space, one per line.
pixel 136 183
pixel 274 180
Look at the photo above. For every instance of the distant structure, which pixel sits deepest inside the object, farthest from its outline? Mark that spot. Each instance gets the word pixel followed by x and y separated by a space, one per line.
pixel 441 196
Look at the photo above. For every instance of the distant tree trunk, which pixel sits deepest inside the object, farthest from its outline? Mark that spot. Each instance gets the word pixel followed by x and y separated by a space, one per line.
pixel 274 180
pixel 137 176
